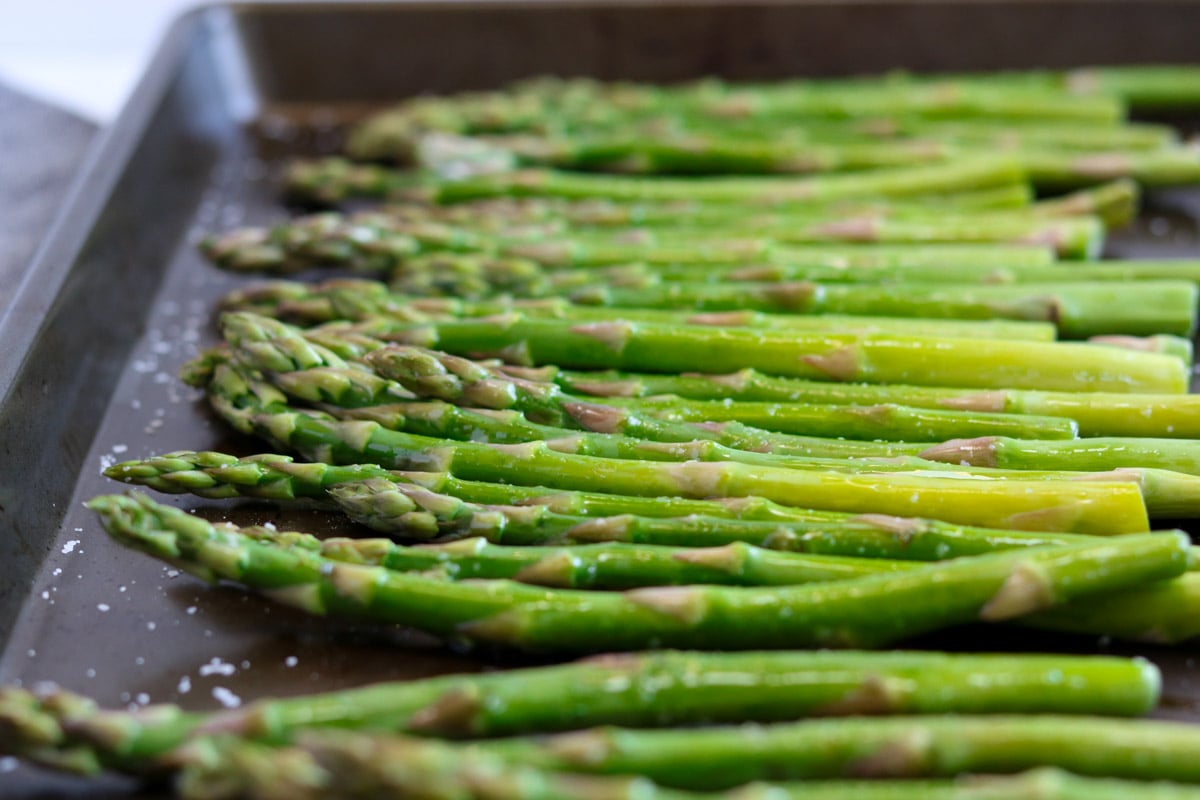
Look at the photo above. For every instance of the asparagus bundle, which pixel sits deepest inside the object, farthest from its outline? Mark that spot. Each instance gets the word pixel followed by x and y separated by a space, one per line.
pixel 845 495
pixel 252 406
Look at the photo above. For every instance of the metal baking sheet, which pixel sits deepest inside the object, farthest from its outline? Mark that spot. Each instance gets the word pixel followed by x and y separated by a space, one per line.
pixel 118 297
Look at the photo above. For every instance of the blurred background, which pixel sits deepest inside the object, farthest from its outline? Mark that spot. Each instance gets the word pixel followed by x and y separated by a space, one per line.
pixel 82 55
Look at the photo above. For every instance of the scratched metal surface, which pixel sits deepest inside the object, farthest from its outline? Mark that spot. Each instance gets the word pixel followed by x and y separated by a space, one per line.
pixel 121 298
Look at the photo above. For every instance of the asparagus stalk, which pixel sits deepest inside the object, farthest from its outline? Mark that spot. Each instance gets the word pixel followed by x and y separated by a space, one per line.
pixel 1097 413
pixel 963 273
pixel 1162 613
pixel 330 181
pixel 877 748
pixel 341 764
pixel 389 135
pixel 1079 309
pixel 856 422
pixel 278 477
pixel 697 153
pixel 593 566
pixel 323 763
pixel 707 154
pixel 975 134
pixel 985 364
pixel 362 300
pixel 1168 167
pixel 1180 455
pixel 993 587
pixel 897 182
pixel 1144 87
pixel 375 241
pixel 688 688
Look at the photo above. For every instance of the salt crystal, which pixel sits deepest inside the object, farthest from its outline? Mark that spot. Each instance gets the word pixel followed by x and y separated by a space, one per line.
pixel 226 697
pixel 217 667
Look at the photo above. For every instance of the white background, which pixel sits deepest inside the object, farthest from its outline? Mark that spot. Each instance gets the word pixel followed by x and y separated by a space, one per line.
pixel 85 55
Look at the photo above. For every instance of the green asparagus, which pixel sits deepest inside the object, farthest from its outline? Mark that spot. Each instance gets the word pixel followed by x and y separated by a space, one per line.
pixel 993 587
pixel 1097 413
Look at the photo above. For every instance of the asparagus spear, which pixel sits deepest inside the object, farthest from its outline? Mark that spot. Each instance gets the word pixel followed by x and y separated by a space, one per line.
pixel 1016 583
pixel 1162 613
pixel 1180 455
pixel 389 135
pixel 330 181
pixel 688 688
pixel 593 566
pixel 696 153
pixel 707 154
pixel 1144 87
pixel 342 764
pixel 322 764
pixel 1079 309
pixel 1097 413
pixel 994 587
pixel 374 242
pixel 473 273
pixel 897 182
pixel 278 477
pixel 982 364
pixel 877 748
pixel 361 300
pixel 976 134
pixel 964 273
